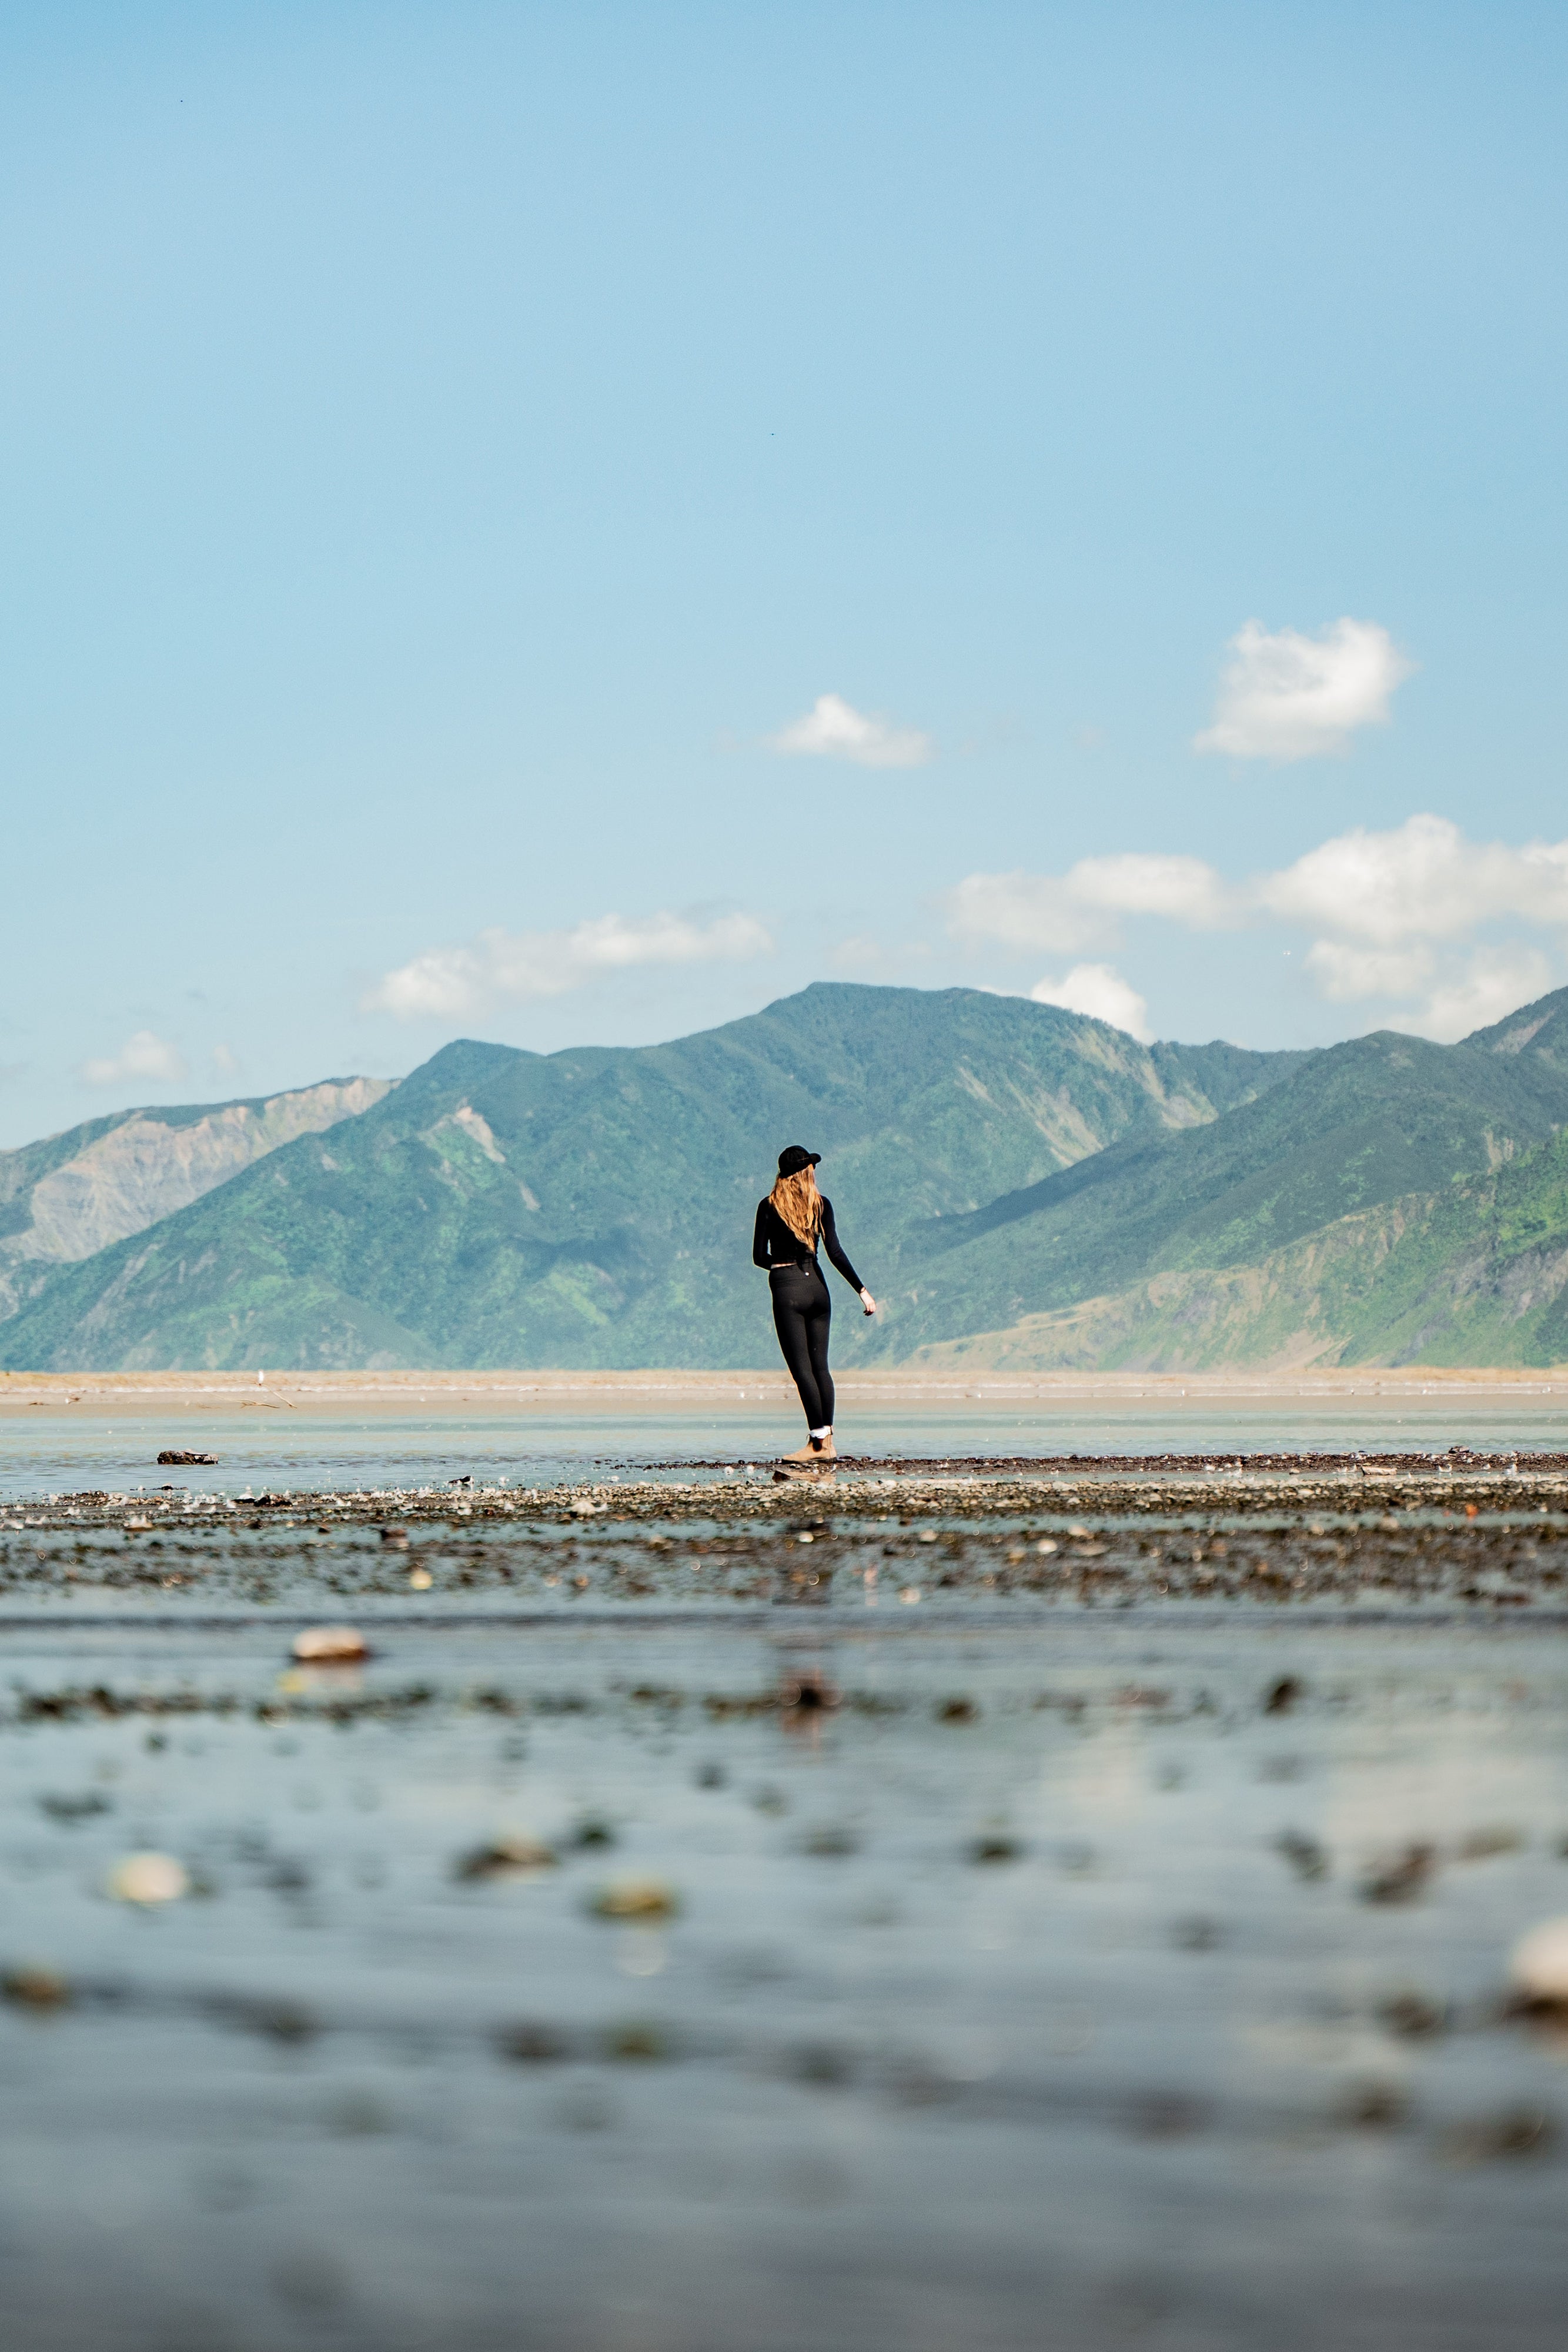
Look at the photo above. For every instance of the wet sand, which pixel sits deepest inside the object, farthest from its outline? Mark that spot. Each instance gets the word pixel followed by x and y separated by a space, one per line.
pixel 966 1905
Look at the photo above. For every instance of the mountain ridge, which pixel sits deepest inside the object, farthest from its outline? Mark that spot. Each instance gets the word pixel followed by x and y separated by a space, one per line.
pixel 1019 1185
pixel 74 1194
pixel 598 1201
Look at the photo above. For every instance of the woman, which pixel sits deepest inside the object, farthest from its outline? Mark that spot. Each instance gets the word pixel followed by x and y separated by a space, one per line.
pixel 790 1223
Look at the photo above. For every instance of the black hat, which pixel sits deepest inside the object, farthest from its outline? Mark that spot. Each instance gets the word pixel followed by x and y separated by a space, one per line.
pixel 794 1157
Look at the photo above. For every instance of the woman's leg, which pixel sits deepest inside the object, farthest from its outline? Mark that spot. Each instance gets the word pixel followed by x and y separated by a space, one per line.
pixel 791 1306
pixel 819 1320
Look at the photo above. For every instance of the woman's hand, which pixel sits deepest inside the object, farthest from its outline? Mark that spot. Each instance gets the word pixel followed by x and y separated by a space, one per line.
pixel 868 1302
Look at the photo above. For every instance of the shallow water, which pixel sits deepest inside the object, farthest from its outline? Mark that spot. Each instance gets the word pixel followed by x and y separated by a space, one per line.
pixel 989 2011
pixel 45 1451
pixel 1074 1911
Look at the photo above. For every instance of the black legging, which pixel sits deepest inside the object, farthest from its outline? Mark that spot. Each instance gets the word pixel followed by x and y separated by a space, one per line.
pixel 801 1314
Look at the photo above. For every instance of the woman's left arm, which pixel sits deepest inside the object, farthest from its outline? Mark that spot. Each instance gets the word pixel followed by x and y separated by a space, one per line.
pixel 835 1248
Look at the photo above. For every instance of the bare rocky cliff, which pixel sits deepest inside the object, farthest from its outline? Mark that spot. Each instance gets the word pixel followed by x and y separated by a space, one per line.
pixel 76 1193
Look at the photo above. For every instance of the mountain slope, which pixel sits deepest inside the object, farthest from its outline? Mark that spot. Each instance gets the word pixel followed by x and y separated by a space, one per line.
pixel 1352 1129
pixel 73 1194
pixel 1476 1275
pixel 1474 1271
pixel 594 1207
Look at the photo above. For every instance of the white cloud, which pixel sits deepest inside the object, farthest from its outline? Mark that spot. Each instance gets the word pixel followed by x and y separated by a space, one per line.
pixel 226 1061
pixel 834 730
pixel 1495 982
pixel 1135 882
pixel 144 1055
pixel 1441 997
pixel 1345 974
pixel 1062 913
pixel 1422 881
pixel 1389 911
pixel 860 952
pixel 514 966
pixel 1025 911
pixel 1291 696
pixel 1394 907
pixel 1099 990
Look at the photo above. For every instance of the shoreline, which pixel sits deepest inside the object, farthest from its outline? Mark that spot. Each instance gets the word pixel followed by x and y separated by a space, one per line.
pixel 660 1389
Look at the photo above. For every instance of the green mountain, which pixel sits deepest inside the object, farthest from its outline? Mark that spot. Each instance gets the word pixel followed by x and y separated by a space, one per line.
pixel 1356 1127
pixel 75 1194
pixel 1433 1228
pixel 594 1207
pixel 1021 1187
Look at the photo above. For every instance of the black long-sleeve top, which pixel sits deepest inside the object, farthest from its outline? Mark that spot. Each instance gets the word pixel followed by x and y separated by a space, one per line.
pixel 773 1244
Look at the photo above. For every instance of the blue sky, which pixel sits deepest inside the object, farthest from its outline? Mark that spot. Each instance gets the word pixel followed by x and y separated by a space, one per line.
pixel 447 456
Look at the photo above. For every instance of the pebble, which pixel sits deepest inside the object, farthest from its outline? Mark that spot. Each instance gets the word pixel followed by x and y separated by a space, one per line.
pixel 1304 1854
pixel 505 1857
pixel 1517 2131
pixel 994 1846
pixel 533 2045
pixel 148 1878
pixel 1401 1878
pixel 636 1898
pixel 329 1645
pixel 36 1988
pixel 1412 2017
pixel 1539 1965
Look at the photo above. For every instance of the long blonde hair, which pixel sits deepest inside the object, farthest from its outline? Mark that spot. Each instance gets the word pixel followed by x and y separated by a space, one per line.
pixel 799 1204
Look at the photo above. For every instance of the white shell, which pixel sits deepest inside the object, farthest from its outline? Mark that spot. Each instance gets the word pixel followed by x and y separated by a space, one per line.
pixel 332 1646
pixel 1540 1964
pixel 148 1878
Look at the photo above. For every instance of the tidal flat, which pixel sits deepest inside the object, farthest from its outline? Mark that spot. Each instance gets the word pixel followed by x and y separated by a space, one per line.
pixel 982 1902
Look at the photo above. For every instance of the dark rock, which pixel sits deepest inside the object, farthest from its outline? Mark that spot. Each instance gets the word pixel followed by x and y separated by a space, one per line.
pixel 830 1842
pixel 1375 2106
pixel 636 2039
pixel 994 1846
pixel 1304 1854
pixel 1401 1878
pixel 1412 2016
pixel 36 1988
pixel 1195 1934
pixel 530 2044
pixel 1516 2131
pixel 806 1693
pixel 74 1809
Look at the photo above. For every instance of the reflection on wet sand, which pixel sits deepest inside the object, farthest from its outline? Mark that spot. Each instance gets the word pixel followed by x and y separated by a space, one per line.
pixel 1146 1930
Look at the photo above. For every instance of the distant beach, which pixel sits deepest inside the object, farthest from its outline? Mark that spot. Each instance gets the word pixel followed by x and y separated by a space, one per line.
pixel 658 1389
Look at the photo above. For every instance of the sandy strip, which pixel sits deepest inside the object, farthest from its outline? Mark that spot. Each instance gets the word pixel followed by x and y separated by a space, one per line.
pixel 656 1391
